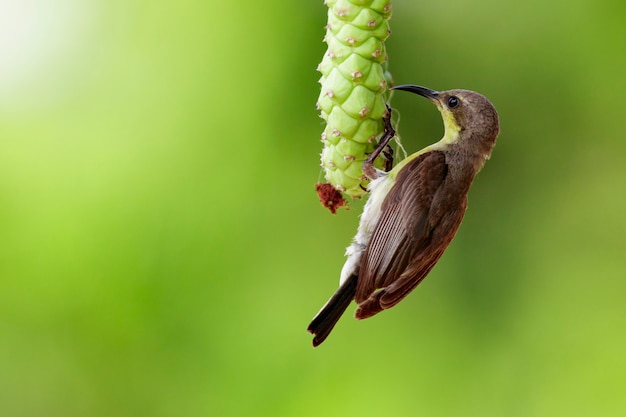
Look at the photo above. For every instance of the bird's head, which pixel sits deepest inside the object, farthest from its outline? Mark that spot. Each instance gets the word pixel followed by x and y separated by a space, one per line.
pixel 469 118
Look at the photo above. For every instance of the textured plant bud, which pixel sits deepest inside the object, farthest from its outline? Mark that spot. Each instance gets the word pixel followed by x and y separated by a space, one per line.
pixel 354 86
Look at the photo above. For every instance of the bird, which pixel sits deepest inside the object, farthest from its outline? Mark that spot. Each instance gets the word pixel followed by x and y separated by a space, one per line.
pixel 414 210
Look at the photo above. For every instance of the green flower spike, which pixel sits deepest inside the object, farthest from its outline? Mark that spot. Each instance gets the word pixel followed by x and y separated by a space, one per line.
pixel 354 86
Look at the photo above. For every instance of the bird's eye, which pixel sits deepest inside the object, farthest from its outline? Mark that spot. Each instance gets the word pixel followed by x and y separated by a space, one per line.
pixel 453 102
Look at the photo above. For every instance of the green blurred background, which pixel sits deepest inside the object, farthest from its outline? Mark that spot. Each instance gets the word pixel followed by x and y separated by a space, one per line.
pixel 162 249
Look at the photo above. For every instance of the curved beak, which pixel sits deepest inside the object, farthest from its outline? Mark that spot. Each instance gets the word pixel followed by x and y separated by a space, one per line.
pixel 422 91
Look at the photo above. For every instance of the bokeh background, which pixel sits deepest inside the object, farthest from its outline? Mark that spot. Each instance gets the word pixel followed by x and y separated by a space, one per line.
pixel 162 249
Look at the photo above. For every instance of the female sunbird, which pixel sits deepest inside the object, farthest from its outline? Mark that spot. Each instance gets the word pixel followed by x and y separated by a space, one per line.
pixel 414 210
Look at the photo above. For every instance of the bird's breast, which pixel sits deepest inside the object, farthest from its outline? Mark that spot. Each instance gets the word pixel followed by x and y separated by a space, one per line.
pixel 378 188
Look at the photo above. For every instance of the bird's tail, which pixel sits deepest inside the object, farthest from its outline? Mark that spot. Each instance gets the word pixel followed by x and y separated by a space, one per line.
pixel 325 320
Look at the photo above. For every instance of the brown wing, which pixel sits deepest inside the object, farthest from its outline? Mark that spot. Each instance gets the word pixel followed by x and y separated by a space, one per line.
pixel 419 218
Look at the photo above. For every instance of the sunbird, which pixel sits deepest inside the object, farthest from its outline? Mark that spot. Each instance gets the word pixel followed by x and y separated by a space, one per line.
pixel 414 210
